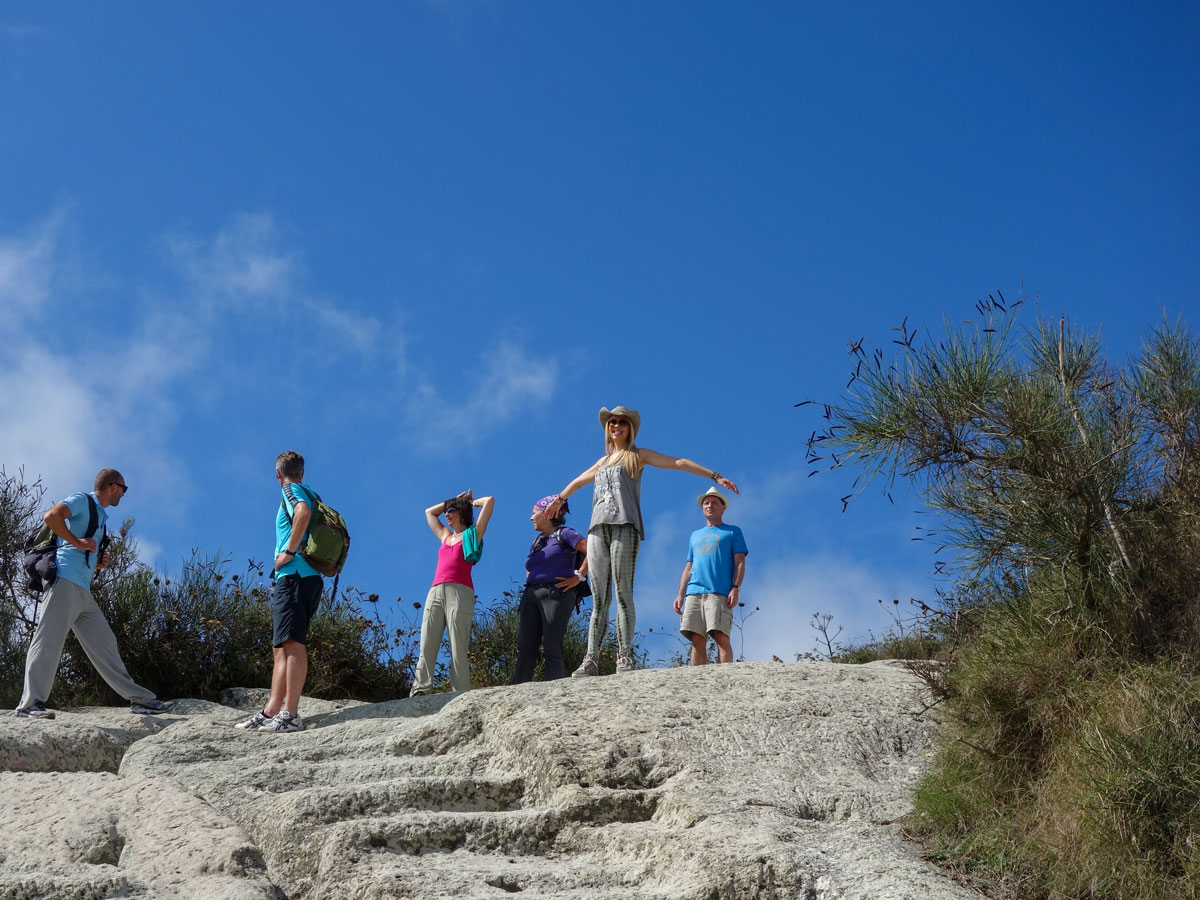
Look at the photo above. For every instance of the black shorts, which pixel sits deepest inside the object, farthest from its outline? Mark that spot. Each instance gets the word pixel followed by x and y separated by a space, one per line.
pixel 293 604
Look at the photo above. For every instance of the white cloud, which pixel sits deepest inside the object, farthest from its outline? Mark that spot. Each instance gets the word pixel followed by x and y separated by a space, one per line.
pixel 41 399
pixel 506 381
pixel 241 264
pixel 27 269
pixel 788 593
pixel 357 333
pixel 18 32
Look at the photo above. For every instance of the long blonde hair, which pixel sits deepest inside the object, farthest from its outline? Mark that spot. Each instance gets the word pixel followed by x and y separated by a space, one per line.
pixel 627 457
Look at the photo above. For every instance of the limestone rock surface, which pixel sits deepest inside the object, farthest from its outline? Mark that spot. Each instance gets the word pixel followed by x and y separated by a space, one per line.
pixel 739 781
pixel 96 835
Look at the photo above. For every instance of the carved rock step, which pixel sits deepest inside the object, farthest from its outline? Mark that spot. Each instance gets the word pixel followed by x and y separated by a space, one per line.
pixel 460 874
pixel 747 781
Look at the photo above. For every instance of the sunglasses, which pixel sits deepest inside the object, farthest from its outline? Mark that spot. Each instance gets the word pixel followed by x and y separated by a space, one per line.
pixel 124 487
pixel 622 422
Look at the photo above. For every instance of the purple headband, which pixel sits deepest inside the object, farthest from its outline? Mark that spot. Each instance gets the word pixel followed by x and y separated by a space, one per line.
pixel 546 501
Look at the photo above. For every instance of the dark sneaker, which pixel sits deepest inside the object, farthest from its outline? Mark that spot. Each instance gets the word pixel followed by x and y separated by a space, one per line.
pixel 624 664
pixel 255 722
pixel 36 710
pixel 151 707
pixel 586 668
pixel 283 723
pixel 417 692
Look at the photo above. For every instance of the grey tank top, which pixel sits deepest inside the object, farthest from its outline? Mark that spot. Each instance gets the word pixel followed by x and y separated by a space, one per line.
pixel 617 499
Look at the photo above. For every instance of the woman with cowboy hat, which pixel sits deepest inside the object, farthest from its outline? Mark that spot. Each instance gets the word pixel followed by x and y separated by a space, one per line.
pixel 616 528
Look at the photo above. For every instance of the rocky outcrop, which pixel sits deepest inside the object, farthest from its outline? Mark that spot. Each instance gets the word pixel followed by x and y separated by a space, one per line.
pixel 749 780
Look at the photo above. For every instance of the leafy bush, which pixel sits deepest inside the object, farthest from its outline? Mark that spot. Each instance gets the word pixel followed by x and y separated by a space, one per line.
pixel 1069 490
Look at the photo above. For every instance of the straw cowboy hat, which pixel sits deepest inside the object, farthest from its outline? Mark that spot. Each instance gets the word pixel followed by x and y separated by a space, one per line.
pixel 635 420
pixel 713 492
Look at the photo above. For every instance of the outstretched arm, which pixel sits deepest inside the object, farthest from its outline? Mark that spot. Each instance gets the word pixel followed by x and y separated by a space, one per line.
pixel 662 461
pixel 585 477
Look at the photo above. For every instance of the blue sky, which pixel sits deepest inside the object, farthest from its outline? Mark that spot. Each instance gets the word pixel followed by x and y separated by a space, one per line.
pixel 423 243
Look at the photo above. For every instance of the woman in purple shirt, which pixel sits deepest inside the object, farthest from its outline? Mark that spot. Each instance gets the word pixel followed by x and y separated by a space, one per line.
pixel 551 588
pixel 451 600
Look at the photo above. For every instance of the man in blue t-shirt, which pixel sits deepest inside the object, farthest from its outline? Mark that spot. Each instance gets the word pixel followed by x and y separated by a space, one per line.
pixel 68 605
pixel 712 580
pixel 294 601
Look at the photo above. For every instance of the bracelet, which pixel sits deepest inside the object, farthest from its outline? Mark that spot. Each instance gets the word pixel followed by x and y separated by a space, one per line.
pixel 288 552
pixel 579 575
pixel 716 476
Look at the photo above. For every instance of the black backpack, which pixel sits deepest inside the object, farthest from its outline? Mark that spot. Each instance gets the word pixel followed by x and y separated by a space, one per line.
pixel 38 559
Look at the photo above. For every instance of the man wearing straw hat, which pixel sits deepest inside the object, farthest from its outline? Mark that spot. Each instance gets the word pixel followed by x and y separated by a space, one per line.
pixel 712 580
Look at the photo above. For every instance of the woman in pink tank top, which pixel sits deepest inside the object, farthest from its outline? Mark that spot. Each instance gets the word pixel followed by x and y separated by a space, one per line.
pixel 451 600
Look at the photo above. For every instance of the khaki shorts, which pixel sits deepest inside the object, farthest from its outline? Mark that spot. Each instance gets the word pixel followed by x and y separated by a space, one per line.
pixel 705 613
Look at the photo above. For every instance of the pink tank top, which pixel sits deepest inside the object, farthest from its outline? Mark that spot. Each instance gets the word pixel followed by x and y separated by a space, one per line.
pixel 451 567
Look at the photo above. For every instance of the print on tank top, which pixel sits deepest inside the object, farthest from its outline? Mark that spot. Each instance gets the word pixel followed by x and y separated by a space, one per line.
pixel 606 486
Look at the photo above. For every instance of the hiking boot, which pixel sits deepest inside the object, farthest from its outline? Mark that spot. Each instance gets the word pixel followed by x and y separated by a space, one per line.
pixel 255 722
pixel 586 668
pixel 35 710
pixel 624 664
pixel 151 707
pixel 283 723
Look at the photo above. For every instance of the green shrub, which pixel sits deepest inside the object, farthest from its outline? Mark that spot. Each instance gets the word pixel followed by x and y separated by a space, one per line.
pixel 1069 491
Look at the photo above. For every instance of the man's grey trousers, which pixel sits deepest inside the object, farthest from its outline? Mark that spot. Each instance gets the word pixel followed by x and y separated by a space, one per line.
pixel 68 607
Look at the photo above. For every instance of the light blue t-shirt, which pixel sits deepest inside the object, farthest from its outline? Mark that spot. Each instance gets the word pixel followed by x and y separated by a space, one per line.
pixel 73 564
pixel 711 554
pixel 297 565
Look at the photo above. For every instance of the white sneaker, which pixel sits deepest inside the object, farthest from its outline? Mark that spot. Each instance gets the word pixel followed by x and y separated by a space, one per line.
pixel 586 668
pixel 282 723
pixel 255 722
pixel 624 664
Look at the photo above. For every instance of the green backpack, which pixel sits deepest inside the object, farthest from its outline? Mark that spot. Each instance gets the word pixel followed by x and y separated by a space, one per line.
pixel 327 541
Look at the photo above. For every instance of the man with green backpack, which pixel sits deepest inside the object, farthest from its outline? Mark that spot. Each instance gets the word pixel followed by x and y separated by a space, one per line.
pixel 310 541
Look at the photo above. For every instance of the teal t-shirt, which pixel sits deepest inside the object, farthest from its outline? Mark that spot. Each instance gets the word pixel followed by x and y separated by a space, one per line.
pixel 297 565
pixel 73 564
pixel 711 554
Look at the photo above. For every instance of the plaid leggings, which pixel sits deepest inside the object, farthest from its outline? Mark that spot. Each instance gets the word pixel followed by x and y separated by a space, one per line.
pixel 612 558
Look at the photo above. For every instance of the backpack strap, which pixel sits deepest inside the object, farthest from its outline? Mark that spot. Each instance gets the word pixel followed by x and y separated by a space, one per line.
pixel 93 524
pixel 309 497
pixel 562 541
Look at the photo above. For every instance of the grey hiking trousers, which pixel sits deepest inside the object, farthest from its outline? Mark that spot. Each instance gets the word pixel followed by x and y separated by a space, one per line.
pixel 68 607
